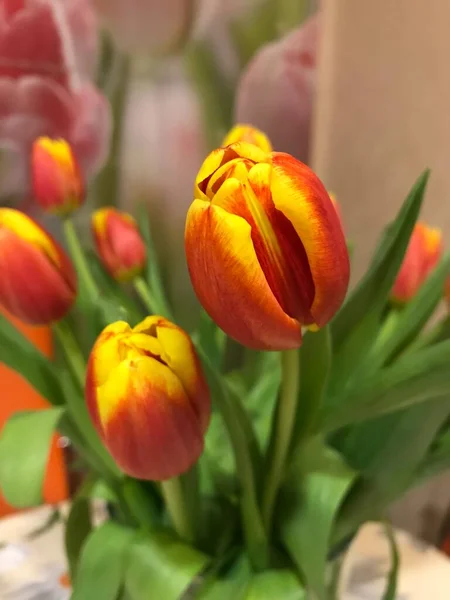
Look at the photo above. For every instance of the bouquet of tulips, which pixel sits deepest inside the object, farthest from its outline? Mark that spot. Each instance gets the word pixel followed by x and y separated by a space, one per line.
pixel 237 460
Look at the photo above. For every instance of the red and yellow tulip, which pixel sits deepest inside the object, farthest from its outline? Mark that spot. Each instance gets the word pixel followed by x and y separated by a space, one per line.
pixel 249 134
pixel 148 398
pixel 119 243
pixel 37 281
pixel 264 246
pixel 57 181
pixel 423 253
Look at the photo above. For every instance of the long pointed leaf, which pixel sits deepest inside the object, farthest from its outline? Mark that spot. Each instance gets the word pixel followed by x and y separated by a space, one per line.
pixel 372 290
pixel 19 354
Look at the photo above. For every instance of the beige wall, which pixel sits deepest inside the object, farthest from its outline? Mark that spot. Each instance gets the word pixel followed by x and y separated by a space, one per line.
pixel 383 110
pixel 382 116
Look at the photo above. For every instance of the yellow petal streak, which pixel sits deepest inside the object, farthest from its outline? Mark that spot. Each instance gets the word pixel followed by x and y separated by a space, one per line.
pixel 26 229
pixel 136 382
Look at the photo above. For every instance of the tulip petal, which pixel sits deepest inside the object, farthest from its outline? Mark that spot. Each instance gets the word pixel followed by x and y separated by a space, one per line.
pixel 300 196
pixel 39 293
pixel 229 281
pixel 159 435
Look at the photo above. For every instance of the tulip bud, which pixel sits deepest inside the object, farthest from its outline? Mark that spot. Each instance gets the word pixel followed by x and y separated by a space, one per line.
pixel 148 398
pixel 264 246
pixel 119 243
pixel 56 177
pixel 249 134
pixel 37 281
pixel 422 255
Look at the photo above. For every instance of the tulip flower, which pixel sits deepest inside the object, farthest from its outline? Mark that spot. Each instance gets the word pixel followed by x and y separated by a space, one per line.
pixel 423 253
pixel 119 243
pixel 37 281
pixel 276 90
pixel 57 181
pixel 148 398
pixel 264 246
pixel 247 133
pixel 48 55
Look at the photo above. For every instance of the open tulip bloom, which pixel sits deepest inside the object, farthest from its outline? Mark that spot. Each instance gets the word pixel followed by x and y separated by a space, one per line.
pixel 226 473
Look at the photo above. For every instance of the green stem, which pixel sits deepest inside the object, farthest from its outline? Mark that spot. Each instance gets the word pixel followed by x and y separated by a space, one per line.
pixel 72 351
pixel 107 183
pixel 172 491
pixel 213 91
pixel 283 428
pixel 145 294
pixel 86 279
pixel 234 420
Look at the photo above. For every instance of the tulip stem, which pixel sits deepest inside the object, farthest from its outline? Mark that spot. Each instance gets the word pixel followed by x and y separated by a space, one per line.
pixel 79 259
pixel 145 294
pixel 173 494
pixel 72 351
pixel 282 430
pixel 234 417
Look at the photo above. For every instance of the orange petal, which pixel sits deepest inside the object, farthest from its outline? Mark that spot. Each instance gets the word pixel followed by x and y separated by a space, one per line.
pixel 249 134
pixel 32 287
pixel 148 423
pixel 230 283
pixel 300 196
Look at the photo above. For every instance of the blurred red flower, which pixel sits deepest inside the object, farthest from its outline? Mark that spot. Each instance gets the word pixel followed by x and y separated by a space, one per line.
pixel 48 51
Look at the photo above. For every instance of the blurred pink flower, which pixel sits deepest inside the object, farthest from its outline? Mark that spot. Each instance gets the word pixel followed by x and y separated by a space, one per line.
pixel 276 91
pixel 163 148
pixel 147 25
pixel 48 50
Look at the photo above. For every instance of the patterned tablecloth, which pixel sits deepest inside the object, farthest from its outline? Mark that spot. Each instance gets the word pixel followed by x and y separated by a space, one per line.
pixel 32 563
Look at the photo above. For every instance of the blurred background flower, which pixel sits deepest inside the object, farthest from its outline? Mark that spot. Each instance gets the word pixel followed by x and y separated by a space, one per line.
pixel 276 91
pixel 48 51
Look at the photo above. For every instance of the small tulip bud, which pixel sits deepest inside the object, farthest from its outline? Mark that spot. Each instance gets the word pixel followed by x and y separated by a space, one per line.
pixel 56 177
pixel 249 134
pixel 264 247
pixel 37 281
pixel 148 398
pixel 119 243
pixel 423 253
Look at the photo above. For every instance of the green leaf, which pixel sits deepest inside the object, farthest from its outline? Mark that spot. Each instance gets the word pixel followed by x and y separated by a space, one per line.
pixel 232 582
pixel 389 461
pixel 315 363
pixel 370 294
pixel 161 566
pixel 25 443
pixel 413 317
pixel 415 378
pixel 101 570
pixel 21 355
pixel 437 460
pixel 314 490
pixel 78 528
pixel 282 584
pixel 391 587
